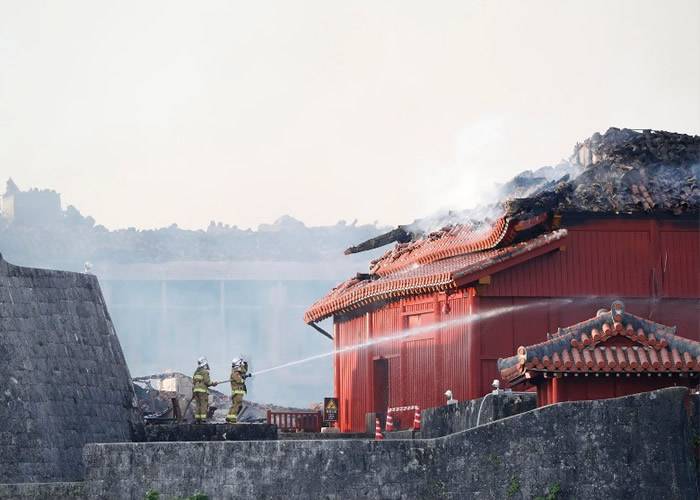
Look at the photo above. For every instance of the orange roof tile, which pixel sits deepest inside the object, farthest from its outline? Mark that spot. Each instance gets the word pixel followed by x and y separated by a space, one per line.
pixel 451 241
pixel 613 341
pixel 425 277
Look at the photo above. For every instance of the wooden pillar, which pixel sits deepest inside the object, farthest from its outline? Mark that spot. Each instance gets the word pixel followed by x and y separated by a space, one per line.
pixel 336 377
pixel 542 398
pixel 555 390
pixel 473 348
pixel 366 355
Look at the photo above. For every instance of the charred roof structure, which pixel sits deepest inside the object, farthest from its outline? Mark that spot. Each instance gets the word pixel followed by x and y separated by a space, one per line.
pixel 620 171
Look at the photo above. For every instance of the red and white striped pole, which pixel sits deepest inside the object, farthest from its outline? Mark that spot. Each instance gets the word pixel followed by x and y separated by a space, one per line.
pixel 416 419
pixel 378 436
pixel 389 421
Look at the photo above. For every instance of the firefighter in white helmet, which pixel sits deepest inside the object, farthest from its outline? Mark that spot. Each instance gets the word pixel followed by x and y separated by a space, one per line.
pixel 239 372
pixel 200 390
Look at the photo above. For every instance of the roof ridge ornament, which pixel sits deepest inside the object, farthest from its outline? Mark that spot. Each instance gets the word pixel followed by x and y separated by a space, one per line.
pixel 617 309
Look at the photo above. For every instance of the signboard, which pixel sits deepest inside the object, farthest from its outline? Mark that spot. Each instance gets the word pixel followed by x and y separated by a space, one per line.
pixel 330 409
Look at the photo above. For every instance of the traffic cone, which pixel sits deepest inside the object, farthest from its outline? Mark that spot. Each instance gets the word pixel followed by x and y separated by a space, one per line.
pixel 389 422
pixel 416 420
pixel 378 436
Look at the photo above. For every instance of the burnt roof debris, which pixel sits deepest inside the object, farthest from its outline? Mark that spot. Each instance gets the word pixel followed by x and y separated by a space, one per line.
pixel 399 234
pixel 648 147
pixel 626 171
pixel 622 171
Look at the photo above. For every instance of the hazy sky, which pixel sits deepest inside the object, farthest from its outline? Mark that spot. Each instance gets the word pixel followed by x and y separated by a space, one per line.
pixel 144 113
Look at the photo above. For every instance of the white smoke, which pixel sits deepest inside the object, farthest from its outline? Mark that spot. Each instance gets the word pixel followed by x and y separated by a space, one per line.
pixel 471 187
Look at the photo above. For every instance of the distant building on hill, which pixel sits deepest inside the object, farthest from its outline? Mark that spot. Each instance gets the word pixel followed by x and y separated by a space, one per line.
pixel 35 206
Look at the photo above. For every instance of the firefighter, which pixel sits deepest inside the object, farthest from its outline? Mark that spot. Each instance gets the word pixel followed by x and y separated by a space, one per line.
pixel 200 390
pixel 239 372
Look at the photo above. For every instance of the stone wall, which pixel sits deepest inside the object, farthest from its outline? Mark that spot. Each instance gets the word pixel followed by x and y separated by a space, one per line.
pixel 448 419
pixel 639 446
pixel 34 491
pixel 64 379
pixel 209 432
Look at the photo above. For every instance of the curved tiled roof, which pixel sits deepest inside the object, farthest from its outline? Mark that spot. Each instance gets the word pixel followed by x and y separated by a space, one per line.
pixel 452 241
pixel 418 278
pixel 448 242
pixel 588 346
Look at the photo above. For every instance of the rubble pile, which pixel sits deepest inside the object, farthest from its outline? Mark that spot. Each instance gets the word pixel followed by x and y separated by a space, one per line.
pixel 155 393
pixel 625 171
pixel 632 147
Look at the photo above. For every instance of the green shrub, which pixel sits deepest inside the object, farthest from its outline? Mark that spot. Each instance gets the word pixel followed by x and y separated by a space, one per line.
pixel 513 487
pixel 152 495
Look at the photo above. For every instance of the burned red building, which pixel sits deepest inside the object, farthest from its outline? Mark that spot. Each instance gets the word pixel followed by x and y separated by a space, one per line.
pixel 611 355
pixel 438 310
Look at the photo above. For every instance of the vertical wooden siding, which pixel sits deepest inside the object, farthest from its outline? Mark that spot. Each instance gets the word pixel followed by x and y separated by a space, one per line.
pixel 454 345
pixel 680 264
pixel 654 266
pixel 594 263
pixel 354 394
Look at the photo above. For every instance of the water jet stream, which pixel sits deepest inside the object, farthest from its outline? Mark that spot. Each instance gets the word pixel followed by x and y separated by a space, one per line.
pixel 411 332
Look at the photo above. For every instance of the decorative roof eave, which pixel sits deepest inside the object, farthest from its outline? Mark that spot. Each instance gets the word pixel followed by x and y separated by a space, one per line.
pixel 580 349
pixel 362 295
pixel 357 301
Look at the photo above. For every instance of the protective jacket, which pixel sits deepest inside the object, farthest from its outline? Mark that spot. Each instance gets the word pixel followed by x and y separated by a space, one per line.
pixel 201 380
pixel 238 376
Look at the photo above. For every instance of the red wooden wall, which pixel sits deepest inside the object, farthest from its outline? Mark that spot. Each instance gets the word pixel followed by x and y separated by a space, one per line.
pixel 653 265
pixel 555 390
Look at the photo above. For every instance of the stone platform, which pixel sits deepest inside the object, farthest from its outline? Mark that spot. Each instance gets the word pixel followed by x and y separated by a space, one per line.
pixel 305 436
pixel 210 432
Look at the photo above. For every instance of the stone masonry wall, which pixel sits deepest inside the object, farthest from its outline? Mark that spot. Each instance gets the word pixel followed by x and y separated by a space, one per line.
pixel 638 446
pixel 34 491
pixel 448 419
pixel 64 379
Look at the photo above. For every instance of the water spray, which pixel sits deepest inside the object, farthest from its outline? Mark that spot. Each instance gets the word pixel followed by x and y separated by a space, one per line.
pixel 419 330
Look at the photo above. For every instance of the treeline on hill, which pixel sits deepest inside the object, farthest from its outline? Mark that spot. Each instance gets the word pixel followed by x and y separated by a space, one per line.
pixel 619 171
pixel 72 239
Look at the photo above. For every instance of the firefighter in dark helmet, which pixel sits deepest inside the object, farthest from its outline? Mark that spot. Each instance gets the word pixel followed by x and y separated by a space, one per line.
pixel 239 372
pixel 200 390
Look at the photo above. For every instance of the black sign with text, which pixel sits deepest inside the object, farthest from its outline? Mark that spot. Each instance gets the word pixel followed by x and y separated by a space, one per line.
pixel 330 409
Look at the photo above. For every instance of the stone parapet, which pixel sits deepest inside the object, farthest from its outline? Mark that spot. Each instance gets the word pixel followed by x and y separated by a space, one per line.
pixel 641 446
pixel 210 432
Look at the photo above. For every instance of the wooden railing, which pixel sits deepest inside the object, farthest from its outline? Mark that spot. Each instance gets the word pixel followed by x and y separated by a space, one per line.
pixel 295 421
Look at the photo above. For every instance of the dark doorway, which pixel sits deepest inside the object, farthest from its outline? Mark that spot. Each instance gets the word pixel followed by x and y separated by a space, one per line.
pixel 381 386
